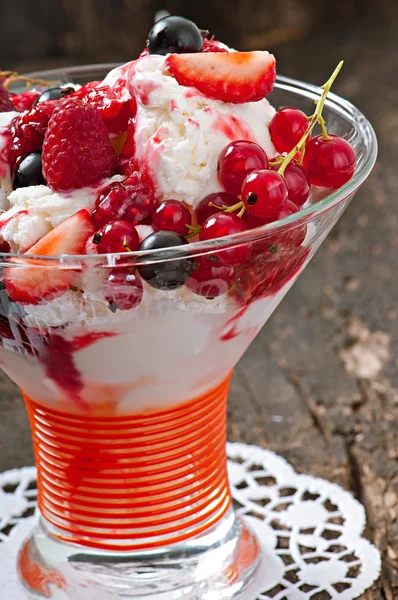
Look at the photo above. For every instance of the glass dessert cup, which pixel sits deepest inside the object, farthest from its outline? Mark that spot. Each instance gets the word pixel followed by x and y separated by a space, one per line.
pixel 128 408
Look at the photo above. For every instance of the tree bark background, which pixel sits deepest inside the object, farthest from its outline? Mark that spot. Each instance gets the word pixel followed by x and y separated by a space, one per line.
pixel 67 31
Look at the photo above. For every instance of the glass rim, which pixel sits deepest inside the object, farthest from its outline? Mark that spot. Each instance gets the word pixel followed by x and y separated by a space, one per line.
pixel 334 102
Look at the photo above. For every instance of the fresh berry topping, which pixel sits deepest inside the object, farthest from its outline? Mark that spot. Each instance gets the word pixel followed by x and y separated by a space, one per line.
pixel 171 215
pixel 297 182
pixel 117 236
pixel 174 34
pixel 131 200
pixel 76 149
pixel 208 206
pixel 288 209
pixel 34 284
pixel 296 235
pixel 330 162
pixel 29 129
pixel 287 127
pixel 125 162
pixel 56 92
pixel 210 278
pixel 123 290
pixel 6 104
pixel 114 104
pixel 29 171
pixel 236 161
pixel 168 275
pixel 24 101
pixel 293 236
pixel 264 193
pixel 221 225
pixel 267 272
pixel 212 45
pixel 228 76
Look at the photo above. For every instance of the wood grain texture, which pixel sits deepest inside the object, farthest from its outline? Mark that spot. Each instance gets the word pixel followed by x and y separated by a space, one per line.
pixel 320 383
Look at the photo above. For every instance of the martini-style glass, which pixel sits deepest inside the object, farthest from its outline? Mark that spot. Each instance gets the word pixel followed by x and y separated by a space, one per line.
pixel 128 408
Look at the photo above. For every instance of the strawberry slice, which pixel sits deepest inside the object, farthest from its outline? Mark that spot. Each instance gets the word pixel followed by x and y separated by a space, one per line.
pixel 32 283
pixel 231 77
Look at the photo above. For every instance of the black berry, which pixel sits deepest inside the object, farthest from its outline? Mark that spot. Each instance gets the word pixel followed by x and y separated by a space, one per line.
pixel 168 275
pixel 29 171
pixel 174 35
pixel 56 93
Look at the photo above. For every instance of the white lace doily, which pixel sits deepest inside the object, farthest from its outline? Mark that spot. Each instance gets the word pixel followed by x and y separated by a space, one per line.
pixel 309 529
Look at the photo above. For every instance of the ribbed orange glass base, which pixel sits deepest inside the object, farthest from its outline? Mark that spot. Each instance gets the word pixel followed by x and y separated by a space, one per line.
pixel 134 482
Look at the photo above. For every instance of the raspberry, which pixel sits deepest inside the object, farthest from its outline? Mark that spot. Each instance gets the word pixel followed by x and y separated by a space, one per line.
pixel 29 129
pixel 114 104
pixel 76 149
pixel 6 104
pixel 125 162
pixel 131 200
pixel 24 101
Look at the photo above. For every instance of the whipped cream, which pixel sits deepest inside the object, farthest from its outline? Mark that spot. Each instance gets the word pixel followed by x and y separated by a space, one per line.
pixel 180 132
pixel 37 209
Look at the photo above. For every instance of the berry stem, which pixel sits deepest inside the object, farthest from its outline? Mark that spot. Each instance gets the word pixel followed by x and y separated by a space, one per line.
pixel 242 211
pixel 234 207
pixel 278 160
pixel 316 118
pixel 12 76
pixel 222 207
pixel 323 127
pixel 192 230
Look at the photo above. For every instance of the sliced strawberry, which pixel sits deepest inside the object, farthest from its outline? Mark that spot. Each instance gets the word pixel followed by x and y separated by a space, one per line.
pixel 32 283
pixel 231 77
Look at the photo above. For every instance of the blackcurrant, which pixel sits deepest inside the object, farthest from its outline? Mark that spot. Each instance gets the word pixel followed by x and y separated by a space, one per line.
pixel 29 171
pixel 56 92
pixel 168 275
pixel 174 35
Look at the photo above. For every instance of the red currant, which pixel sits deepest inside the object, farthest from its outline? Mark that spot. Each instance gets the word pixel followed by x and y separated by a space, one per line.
pixel 171 215
pixel 117 236
pixel 330 163
pixel 123 290
pixel 294 236
pixel 236 161
pixel 203 210
pixel 210 278
pixel 287 127
pixel 221 225
pixel 297 183
pixel 264 193
pixel 131 200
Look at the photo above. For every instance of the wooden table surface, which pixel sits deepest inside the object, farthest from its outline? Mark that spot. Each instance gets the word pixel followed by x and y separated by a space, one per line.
pixel 325 365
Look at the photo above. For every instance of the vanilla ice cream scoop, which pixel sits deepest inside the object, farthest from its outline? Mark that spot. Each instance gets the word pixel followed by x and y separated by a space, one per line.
pixel 180 132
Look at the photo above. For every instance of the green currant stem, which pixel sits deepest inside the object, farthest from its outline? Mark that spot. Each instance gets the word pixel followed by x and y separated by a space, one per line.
pixel 193 230
pixel 242 211
pixel 234 207
pixel 314 120
pixel 323 127
pixel 222 207
pixel 278 160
